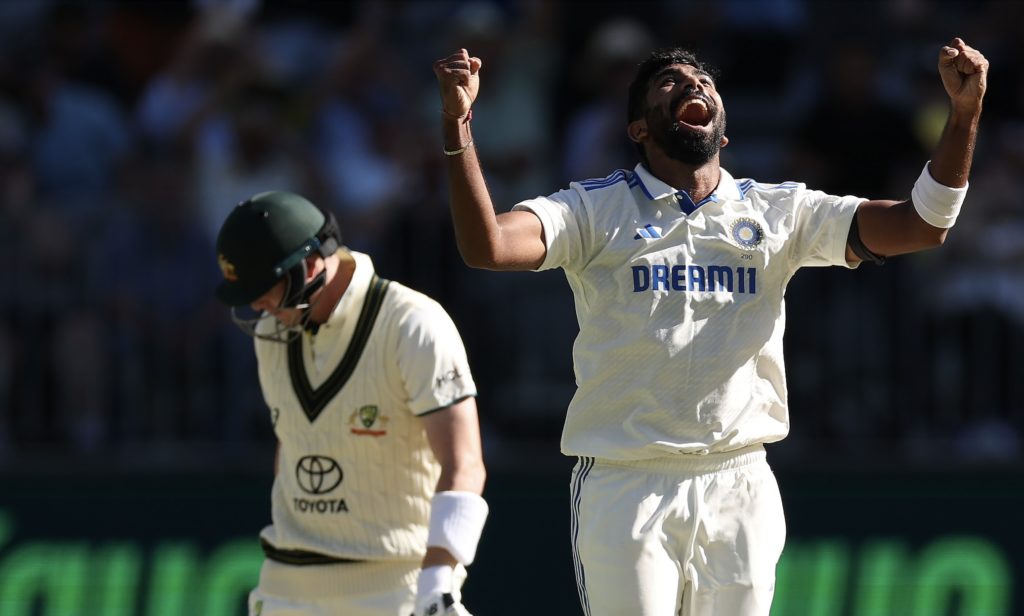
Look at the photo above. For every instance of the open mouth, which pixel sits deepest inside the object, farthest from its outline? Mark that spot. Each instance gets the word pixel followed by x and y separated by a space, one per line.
pixel 694 113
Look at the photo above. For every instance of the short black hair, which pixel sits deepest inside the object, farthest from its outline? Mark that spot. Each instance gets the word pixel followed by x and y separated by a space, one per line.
pixel 659 59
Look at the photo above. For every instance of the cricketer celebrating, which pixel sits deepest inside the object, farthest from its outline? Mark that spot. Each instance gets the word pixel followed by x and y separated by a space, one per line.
pixel 678 271
pixel 376 501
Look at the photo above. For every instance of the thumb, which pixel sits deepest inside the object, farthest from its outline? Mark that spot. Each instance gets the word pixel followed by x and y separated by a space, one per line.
pixel 474 65
pixel 948 56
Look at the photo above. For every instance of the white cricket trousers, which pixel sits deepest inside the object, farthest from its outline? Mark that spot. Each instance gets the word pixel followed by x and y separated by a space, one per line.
pixel 371 588
pixel 685 535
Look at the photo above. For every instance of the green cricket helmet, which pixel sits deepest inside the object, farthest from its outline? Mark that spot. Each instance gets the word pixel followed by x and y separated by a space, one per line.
pixel 267 239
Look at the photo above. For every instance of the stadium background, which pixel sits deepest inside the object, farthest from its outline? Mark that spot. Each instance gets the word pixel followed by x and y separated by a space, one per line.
pixel 135 450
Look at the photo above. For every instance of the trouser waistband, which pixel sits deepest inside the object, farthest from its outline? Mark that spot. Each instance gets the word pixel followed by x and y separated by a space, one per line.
pixel 695 463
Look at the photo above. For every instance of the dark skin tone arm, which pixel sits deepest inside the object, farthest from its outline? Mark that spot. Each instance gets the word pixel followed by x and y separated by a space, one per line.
pixel 509 241
pixel 894 227
pixel 515 240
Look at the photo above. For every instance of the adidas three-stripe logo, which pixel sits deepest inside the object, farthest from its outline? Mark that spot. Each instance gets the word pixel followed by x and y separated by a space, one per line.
pixel 649 232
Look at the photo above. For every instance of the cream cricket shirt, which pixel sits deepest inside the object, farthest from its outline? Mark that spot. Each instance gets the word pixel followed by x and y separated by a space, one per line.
pixel 680 307
pixel 355 471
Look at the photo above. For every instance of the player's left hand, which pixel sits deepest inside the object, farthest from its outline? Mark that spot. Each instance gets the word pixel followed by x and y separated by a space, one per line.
pixel 442 604
pixel 434 595
pixel 964 72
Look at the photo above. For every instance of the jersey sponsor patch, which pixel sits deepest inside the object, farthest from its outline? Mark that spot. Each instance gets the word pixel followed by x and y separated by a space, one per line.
pixel 448 377
pixel 369 417
pixel 694 278
pixel 747 233
pixel 320 505
pixel 318 474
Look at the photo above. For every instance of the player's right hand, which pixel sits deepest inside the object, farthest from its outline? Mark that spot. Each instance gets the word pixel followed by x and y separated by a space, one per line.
pixel 458 77
pixel 964 72
pixel 442 604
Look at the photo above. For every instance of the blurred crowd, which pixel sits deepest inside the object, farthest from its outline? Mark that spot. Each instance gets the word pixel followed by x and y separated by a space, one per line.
pixel 129 129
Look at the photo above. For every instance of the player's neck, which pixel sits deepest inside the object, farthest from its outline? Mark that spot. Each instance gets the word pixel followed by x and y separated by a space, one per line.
pixel 340 268
pixel 697 181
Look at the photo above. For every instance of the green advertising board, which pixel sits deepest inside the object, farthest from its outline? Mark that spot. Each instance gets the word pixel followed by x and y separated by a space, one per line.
pixel 860 544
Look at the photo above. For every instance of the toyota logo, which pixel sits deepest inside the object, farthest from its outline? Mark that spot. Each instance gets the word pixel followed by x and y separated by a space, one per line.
pixel 317 474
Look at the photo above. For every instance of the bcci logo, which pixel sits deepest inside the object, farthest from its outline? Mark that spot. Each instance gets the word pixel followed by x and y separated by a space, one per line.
pixel 370 419
pixel 317 474
pixel 747 233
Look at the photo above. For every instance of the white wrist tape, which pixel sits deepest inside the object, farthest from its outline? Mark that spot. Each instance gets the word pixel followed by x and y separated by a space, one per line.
pixel 456 522
pixel 936 204
pixel 434 581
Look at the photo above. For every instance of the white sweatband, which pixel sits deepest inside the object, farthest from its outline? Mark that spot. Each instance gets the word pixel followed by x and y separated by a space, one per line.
pixel 434 581
pixel 456 522
pixel 936 204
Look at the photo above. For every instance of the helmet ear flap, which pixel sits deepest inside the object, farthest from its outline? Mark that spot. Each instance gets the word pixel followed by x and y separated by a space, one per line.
pixel 329 235
pixel 295 283
pixel 297 292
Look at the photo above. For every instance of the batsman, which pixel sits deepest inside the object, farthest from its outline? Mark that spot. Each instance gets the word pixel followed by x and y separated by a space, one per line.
pixel 376 505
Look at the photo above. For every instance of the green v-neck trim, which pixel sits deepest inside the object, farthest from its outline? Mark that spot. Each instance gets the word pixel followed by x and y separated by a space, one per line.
pixel 313 400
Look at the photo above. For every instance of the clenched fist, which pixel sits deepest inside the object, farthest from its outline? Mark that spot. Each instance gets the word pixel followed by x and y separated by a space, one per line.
pixel 458 77
pixel 964 71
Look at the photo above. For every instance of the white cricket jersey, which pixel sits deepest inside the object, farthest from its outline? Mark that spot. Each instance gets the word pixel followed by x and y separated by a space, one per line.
pixel 355 471
pixel 680 307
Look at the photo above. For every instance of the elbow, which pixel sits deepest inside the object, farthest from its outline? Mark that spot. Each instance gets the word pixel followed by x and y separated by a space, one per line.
pixel 936 238
pixel 477 261
pixel 481 259
pixel 475 476
pixel 469 476
pixel 923 234
pixel 481 477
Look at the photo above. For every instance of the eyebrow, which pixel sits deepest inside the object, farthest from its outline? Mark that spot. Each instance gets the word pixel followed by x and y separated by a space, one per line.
pixel 675 69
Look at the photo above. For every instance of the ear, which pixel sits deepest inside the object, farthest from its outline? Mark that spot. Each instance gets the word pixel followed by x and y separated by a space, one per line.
pixel 724 142
pixel 637 130
pixel 311 267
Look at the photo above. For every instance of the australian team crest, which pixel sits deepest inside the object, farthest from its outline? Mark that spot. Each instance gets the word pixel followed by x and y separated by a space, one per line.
pixel 370 419
pixel 747 233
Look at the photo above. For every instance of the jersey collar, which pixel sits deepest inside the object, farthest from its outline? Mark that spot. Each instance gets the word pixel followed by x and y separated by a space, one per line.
pixel 656 190
pixel 351 301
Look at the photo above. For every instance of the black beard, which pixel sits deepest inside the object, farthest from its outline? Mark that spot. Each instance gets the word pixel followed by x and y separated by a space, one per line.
pixel 683 145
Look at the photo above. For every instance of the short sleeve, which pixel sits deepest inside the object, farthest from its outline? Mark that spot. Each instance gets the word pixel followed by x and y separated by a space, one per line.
pixel 564 218
pixel 432 360
pixel 822 224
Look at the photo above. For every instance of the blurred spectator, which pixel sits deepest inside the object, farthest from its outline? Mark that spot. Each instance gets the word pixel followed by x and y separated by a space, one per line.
pixel 361 134
pixel 106 224
pixel 514 110
pixel 78 140
pixel 595 139
pixel 155 275
pixel 208 61
pixel 250 146
pixel 855 140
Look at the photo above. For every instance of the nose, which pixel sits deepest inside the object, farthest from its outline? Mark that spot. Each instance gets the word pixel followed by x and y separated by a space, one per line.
pixel 691 84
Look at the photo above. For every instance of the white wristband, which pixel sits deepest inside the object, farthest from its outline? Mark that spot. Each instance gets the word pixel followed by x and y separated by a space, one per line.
pixel 936 204
pixel 456 523
pixel 434 581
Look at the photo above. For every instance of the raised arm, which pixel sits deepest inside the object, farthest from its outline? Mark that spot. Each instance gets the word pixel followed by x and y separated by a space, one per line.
pixel 508 241
pixel 896 227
